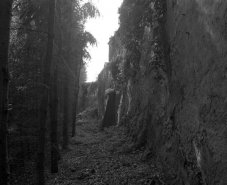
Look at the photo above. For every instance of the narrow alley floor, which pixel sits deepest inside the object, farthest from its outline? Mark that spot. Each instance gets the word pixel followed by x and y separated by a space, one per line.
pixel 103 158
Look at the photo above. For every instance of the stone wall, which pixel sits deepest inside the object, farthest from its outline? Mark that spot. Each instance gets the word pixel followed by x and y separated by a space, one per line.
pixel 106 82
pixel 197 36
pixel 103 84
pixel 109 118
pixel 177 100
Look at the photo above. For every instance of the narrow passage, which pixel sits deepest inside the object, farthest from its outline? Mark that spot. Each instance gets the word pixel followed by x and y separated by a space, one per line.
pixel 104 158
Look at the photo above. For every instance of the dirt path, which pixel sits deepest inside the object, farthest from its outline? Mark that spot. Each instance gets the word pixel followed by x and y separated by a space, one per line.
pixel 103 158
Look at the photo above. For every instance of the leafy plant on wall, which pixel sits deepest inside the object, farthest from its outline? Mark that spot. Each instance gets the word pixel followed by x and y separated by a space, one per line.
pixel 134 17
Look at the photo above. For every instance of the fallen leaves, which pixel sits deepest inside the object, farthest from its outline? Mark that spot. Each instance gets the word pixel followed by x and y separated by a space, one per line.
pixel 106 158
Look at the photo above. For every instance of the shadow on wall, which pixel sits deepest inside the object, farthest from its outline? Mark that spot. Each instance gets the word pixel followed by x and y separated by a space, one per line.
pixel 110 112
pixel 208 17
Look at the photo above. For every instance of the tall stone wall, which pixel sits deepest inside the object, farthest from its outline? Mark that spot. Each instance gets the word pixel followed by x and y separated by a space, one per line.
pixel 116 49
pixel 177 100
pixel 198 53
pixel 109 118
pixel 106 82
pixel 103 84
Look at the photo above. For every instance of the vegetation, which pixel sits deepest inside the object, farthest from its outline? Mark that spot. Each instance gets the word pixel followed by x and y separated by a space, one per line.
pixel 4 82
pixel 42 56
pixel 134 17
pixel 45 95
pixel 106 157
pixel 44 44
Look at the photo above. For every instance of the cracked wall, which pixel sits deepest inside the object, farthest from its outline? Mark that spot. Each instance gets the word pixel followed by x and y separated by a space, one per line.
pixel 178 109
pixel 197 37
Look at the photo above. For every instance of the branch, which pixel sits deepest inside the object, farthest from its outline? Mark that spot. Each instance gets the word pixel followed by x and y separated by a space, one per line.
pixel 27 29
pixel 67 66
pixel 70 70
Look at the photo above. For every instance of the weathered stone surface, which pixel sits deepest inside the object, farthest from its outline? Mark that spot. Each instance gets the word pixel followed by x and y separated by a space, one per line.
pixel 106 80
pixel 103 83
pixel 123 107
pixel 110 112
pixel 178 109
pixel 197 34
pixel 115 48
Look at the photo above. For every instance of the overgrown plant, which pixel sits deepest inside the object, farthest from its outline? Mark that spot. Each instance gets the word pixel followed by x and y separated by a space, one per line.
pixel 135 15
pixel 26 65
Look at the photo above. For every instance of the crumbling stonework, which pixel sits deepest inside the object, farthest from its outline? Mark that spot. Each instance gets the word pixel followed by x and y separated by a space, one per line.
pixel 103 84
pixel 197 38
pixel 110 111
pixel 177 101
pixel 106 82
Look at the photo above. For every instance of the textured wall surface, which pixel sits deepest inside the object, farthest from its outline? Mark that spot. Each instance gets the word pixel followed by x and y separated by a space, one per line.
pixel 103 84
pixel 176 102
pixel 197 34
pixel 110 111
pixel 178 107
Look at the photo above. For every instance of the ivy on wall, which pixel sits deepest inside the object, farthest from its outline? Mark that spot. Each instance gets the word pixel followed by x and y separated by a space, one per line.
pixel 135 17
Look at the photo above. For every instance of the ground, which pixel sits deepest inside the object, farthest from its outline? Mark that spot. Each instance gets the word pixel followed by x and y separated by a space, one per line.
pixel 104 158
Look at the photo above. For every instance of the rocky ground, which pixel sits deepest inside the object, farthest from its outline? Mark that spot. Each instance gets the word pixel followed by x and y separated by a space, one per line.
pixel 104 158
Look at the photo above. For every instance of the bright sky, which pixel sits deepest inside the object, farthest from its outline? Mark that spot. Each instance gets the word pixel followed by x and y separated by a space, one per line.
pixel 102 28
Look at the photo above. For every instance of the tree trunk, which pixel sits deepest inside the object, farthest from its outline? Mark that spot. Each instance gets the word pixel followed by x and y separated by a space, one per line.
pixel 5 16
pixel 54 123
pixel 55 153
pixel 66 113
pixel 44 100
pixel 75 106
pixel 22 156
pixel 66 89
pixel 74 113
